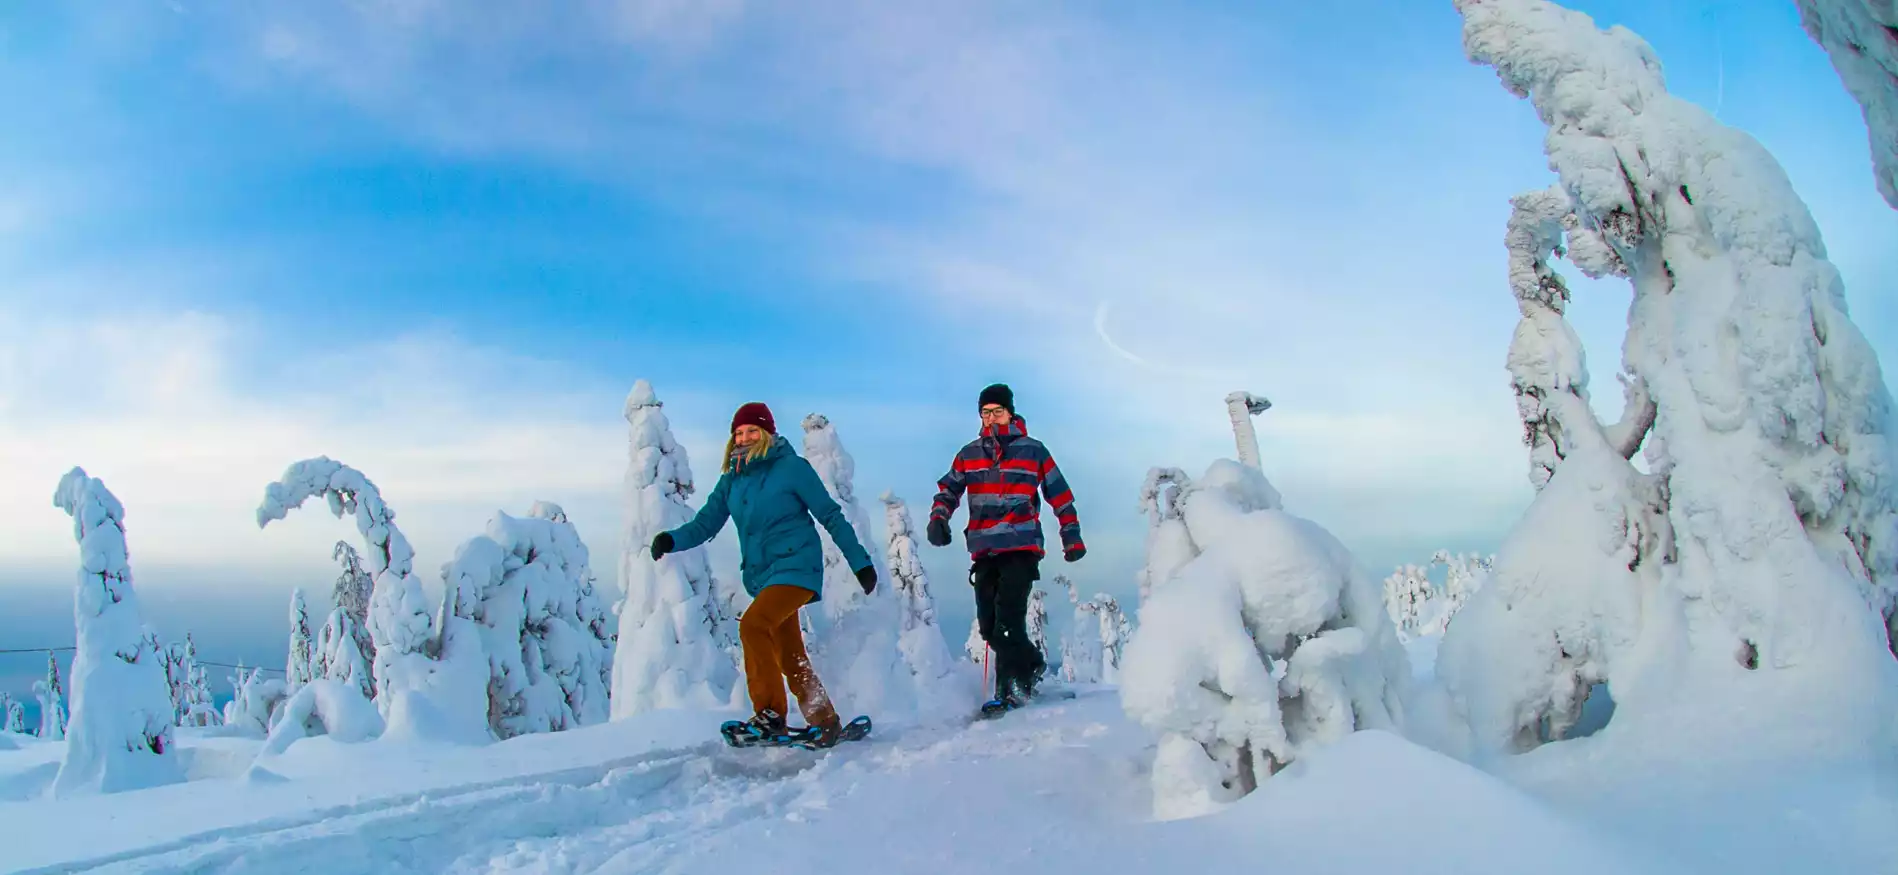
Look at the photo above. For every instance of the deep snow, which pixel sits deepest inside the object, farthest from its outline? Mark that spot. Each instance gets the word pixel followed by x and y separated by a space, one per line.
pixel 1058 788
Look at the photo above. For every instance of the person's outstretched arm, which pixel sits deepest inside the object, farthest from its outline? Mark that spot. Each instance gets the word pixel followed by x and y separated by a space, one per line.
pixel 711 517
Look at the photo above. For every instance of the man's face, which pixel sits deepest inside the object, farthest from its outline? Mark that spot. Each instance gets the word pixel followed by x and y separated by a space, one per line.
pixel 995 415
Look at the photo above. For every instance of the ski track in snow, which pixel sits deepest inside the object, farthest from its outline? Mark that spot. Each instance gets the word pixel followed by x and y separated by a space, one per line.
pixel 635 814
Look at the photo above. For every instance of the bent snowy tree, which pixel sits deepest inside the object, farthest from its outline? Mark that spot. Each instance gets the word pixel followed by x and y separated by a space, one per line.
pixel 428 678
pixel 119 736
pixel 1861 36
pixel 1762 528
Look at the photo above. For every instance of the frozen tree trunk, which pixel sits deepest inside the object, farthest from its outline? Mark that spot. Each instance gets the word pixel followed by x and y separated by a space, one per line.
pixel 120 734
pixel 428 675
pixel 1242 406
pixel 297 666
pixel 528 585
pixel 52 696
pixel 676 635
pixel 1766 525
pixel 1861 36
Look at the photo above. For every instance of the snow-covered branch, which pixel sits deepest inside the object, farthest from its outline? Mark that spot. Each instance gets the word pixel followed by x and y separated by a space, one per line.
pixel 1861 36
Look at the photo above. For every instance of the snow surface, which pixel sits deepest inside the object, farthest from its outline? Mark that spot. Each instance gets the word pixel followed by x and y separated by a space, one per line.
pixel 1058 789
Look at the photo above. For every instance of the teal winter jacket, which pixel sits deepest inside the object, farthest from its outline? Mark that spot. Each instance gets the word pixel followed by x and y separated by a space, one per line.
pixel 772 500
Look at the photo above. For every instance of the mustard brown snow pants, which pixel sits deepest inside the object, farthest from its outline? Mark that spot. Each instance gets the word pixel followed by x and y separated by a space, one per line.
pixel 774 655
pixel 1002 583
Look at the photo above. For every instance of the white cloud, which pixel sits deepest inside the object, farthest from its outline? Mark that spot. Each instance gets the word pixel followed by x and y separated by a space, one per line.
pixel 187 416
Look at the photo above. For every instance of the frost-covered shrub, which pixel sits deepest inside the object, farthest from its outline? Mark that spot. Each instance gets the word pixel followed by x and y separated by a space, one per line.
pixel 1763 525
pixel 119 736
pixel 255 701
pixel 351 595
pixel 1037 627
pixel 1407 593
pixel 677 637
pixel 1169 544
pixel 297 665
pixel 1081 645
pixel 1271 642
pixel 15 714
pixel 924 648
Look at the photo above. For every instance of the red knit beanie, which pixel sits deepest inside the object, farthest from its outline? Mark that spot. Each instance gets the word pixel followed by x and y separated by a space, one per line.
pixel 756 414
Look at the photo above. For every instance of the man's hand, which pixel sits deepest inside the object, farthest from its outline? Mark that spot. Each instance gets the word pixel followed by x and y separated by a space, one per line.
pixel 938 531
pixel 1074 553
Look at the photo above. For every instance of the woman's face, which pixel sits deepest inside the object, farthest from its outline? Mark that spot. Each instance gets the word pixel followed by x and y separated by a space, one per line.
pixel 747 436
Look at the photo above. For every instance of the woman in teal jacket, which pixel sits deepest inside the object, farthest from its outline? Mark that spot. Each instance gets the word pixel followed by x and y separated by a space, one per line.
pixel 772 493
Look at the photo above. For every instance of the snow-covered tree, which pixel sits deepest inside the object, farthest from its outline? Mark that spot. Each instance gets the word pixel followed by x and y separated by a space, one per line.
pixel 1861 36
pixel 15 714
pixel 1270 643
pixel 676 641
pixel 855 645
pixel 1113 626
pixel 430 674
pixel 119 736
pixel 1169 544
pixel 351 595
pixel 1463 575
pixel 297 666
pixel 171 659
pixel 1764 523
pixel 1037 627
pixel 52 696
pixel 924 647
pixel 197 706
pixel 323 707
pixel 255 701
pixel 976 646
pixel 528 586
pixel 338 655
pixel 1407 593
pixel 1081 657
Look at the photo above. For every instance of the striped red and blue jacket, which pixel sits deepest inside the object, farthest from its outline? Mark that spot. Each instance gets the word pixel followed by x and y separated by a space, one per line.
pixel 1001 471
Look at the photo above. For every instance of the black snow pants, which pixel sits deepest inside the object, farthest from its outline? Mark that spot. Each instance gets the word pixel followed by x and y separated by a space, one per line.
pixel 1002 583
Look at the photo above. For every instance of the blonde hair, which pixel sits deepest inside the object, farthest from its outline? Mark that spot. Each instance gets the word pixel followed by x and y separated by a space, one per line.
pixel 757 450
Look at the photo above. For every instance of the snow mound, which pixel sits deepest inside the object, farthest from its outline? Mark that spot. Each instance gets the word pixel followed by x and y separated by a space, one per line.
pixel 324 707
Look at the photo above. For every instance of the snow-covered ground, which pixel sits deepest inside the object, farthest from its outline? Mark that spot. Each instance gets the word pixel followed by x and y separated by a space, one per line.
pixel 1059 788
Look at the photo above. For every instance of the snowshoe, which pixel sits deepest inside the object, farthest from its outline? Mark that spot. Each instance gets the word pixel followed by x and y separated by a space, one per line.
pixel 755 733
pixel 1000 705
pixel 815 738
pixel 764 728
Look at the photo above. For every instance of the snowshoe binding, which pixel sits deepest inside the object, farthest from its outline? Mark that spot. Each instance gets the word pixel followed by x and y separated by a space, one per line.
pixel 764 731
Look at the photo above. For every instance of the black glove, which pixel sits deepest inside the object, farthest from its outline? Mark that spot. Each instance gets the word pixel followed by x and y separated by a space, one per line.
pixel 867 578
pixel 938 531
pixel 661 545
pixel 1074 553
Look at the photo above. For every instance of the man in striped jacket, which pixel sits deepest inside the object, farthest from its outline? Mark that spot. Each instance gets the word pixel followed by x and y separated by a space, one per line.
pixel 1002 471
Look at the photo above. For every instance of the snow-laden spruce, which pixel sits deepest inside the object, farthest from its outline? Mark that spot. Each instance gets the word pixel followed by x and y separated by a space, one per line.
pixel 1742 567
pixel 1407 592
pixel 191 696
pixel 676 641
pixel 924 647
pixel 297 664
pixel 351 595
pixel 1115 631
pixel 255 701
pixel 855 641
pixel 1037 628
pixel 525 586
pixel 15 713
pixel 1081 645
pixel 1270 642
pixel 1463 575
pixel 1861 36
pixel 52 697
pixel 119 736
pixel 430 678
pixel 1169 544
pixel 323 707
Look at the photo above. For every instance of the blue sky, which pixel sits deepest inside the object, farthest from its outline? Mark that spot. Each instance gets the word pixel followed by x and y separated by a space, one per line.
pixel 441 241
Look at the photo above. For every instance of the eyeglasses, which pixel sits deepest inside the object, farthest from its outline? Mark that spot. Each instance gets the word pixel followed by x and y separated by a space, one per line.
pixel 994 412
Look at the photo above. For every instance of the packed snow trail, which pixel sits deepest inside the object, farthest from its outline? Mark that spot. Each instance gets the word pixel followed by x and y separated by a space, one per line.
pixel 1060 787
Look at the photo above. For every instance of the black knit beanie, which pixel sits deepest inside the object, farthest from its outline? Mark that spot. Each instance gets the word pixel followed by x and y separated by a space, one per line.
pixel 998 394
